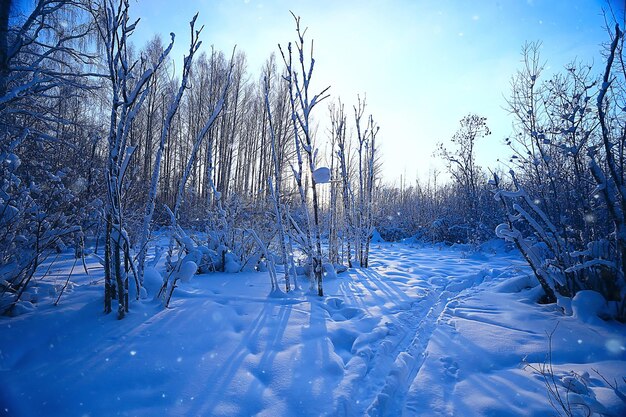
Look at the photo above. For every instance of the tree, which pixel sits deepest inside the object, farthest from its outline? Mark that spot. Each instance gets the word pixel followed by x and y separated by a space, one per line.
pixel 275 192
pixel 302 104
pixel 468 177
pixel 366 151
pixel 129 89
pixel 165 130
pixel 338 123
pixel 609 176
pixel 186 247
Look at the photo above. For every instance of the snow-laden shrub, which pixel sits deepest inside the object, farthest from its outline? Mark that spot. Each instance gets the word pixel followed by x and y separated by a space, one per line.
pixel 435 213
pixel 566 176
pixel 38 214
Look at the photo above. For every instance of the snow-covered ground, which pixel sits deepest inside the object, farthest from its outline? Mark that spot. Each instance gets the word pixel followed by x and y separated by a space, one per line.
pixel 426 331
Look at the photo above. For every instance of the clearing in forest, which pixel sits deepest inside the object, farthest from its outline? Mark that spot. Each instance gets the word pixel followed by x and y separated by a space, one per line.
pixel 427 330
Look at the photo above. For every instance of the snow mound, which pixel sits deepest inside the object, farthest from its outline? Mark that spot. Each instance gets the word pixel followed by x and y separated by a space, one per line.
pixel 588 306
pixel 231 265
pixel 329 271
pixel 517 284
pixel 376 237
pixel 22 307
pixel 321 175
pixel 187 270
pixel 152 281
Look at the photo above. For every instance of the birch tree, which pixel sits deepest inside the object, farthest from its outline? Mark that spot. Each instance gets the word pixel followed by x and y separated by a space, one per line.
pixel 128 92
pixel 156 172
pixel 366 153
pixel 302 103
pixel 275 190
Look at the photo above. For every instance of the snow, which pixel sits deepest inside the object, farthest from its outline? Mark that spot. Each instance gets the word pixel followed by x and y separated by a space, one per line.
pixel 376 237
pixel 187 271
pixel 329 271
pixel 231 265
pixel 426 331
pixel 589 305
pixel 152 281
pixel 321 175
pixel 12 162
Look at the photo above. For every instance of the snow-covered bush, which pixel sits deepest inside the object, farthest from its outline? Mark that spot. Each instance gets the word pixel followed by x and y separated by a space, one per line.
pixel 434 212
pixel 469 208
pixel 42 129
pixel 38 214
pixel 567 176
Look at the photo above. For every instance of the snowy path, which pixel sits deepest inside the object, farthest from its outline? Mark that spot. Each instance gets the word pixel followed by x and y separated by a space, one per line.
pixel 426 331
pixel 423 278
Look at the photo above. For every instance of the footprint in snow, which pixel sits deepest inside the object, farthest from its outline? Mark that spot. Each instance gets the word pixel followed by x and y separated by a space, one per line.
pixel 253 347
pixel 238 327
pixel 351 312
pixel 333 302
pixel 346 313
pixel 343 340
pixel 450 366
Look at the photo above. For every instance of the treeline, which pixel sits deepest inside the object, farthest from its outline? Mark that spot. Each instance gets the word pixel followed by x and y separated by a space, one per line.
pixel 460 209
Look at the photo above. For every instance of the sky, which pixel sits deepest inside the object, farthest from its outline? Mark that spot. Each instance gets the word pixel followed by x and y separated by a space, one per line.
pixel 423 64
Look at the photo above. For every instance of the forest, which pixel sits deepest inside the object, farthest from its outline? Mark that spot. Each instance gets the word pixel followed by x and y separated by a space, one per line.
pixel 145 170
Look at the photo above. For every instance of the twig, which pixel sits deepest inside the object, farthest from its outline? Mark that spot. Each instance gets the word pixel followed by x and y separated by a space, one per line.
pixel 66 282
pixel 49 266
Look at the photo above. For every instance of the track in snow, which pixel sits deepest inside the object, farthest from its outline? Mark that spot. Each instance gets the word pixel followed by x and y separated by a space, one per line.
pixel 415 289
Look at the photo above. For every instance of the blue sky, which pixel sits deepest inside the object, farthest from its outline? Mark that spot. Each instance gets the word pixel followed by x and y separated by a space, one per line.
pixel 423 64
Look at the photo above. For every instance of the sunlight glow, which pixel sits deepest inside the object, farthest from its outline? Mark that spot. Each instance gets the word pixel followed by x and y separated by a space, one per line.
pixel 422 64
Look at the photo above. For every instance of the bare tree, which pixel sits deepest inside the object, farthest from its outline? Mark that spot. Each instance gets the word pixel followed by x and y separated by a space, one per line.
pixel 173 108
pixel 338 121
pixel 128 92
pixel 366 152
pixel 177 235
pixel 468 177
pixel 275 190
pixel 609 176
pixel 302 104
